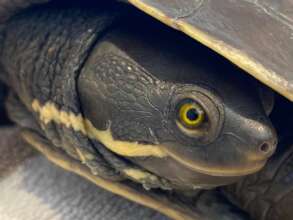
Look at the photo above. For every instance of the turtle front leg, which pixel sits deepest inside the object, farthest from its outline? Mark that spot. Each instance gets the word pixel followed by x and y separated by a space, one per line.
pixel 268 194
pixel 214 205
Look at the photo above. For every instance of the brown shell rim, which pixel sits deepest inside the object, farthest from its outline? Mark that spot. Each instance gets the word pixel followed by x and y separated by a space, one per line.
pixel 242 60
pixel 142 197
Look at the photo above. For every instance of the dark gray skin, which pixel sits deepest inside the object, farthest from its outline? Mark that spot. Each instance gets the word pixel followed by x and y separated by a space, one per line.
pixel 136 82
pixel 145 100
pixel 71 66
pixel 10 7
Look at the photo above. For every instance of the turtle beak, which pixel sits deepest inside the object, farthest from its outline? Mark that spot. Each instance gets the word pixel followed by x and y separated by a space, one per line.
pixel 262 139
pixel 241 150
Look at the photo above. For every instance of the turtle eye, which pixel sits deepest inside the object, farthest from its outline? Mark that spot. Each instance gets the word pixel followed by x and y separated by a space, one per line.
pixel 196 115
pixel 191 115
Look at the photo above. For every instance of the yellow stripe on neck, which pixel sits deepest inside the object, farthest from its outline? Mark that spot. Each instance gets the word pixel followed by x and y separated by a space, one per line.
pixel 139 175
pixel 50 113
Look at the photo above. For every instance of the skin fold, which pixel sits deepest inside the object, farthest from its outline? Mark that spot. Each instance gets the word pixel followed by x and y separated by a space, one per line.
pixel 107 92
pixel 125 89
pixel 10 7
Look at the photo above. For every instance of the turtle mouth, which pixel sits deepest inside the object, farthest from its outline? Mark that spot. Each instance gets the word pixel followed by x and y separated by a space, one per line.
pixel 219 171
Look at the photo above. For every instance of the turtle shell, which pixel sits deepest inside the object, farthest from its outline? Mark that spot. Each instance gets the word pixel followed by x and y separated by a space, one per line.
pixel 256 35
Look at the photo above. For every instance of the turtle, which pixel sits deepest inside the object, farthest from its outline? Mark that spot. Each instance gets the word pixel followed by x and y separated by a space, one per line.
pixel 126 107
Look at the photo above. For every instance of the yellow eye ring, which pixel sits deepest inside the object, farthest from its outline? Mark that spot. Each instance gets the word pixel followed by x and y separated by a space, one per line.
pixel 191 115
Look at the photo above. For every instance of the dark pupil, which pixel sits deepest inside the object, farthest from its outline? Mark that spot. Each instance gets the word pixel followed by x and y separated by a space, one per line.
pixel 192 114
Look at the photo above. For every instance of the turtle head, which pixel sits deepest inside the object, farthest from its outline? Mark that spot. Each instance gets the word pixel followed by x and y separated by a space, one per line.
pixel 174 108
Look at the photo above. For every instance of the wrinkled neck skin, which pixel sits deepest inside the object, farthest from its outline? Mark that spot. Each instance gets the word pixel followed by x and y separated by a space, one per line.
pixel 43 51
pixel 9 8
pixel 41 61
pixel 42 58
pixel 107 94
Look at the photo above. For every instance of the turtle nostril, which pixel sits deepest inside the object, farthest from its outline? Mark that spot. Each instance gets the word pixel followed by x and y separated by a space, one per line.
pixel 267 140
pixel 265 147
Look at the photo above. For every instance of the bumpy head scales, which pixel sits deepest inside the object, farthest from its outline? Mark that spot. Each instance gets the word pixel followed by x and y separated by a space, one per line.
pixel 179 115
pixel 142 102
